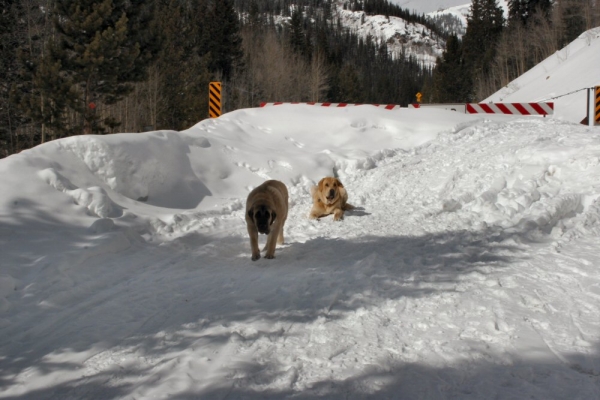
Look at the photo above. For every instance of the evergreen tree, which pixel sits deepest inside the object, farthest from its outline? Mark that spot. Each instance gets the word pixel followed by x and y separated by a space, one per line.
pixel 350 88
pixel 516 10
pixel 573 20
pixel 485 23
pixel 451 81
pixel 522 10
pixel 101 47
pixel 297 39
pixel 254 15
pixel 183 64
pixel 32 31
pixel 223 40
pixel 9 44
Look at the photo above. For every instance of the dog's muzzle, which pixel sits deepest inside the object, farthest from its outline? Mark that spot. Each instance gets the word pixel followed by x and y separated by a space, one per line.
pixel 263 229
pixel 331 195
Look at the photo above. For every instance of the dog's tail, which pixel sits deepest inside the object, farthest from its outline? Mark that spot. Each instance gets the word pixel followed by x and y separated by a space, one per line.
pixel 348 206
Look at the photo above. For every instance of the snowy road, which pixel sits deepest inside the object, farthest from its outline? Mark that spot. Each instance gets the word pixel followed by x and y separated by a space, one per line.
pixel 469 270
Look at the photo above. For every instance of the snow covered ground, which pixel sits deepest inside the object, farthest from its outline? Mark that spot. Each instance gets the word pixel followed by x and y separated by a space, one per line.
pixel 470 268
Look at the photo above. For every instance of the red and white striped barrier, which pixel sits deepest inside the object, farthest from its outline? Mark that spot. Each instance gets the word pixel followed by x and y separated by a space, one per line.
pixel 471 108
pixel 386 106
pixel 458 107
pixel 511 108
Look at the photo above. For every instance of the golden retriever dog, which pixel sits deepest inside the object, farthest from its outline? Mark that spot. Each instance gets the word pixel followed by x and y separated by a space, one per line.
pixel 266 212
pixel 329 197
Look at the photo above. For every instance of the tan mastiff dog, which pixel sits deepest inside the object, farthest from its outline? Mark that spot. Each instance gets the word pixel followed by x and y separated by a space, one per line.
pixel 329 197
pixel 266 212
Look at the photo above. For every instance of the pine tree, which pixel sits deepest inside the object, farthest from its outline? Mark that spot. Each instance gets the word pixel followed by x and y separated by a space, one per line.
pixel 183 64
pixel 254 16
pixel 451 81
pixel 522 10
pixel 223 40
pixel 573 21
pixel 297 39
pixel 350 88
pixel 9 44
pixel 101 47
pixel 485 23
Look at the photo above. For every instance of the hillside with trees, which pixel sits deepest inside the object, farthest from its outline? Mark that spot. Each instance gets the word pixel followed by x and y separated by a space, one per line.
pixel 73 67
pixel 102 66
pixel 494 52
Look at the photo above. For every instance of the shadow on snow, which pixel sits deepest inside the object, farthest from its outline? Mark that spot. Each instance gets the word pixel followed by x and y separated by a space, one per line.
pixel 138 298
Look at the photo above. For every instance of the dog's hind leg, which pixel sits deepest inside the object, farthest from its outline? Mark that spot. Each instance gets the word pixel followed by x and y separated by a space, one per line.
pixel 280 235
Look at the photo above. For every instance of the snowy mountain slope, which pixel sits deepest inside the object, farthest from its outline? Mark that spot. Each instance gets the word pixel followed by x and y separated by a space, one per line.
pixel 402 37
pixel 560 78
pixel 408 38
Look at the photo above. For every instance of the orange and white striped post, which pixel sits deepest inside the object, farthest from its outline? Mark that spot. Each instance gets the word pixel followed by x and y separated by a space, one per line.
pixel 214 99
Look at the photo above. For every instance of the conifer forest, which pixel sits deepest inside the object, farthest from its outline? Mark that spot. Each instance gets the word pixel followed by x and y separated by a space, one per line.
pixel 72 67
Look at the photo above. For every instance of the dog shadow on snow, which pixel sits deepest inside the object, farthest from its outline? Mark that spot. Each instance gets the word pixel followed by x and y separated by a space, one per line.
pixel 357 212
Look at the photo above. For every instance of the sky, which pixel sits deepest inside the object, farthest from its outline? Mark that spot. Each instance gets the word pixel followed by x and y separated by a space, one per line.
pixel 468 270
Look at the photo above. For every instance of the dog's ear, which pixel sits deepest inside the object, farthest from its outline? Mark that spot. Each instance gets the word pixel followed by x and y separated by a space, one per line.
pixel 321 183
pixel 339 183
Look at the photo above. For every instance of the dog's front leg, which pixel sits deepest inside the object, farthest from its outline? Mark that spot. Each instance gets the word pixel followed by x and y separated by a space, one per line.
pixel 338 214
pixel 316 212
pixel 313 215
pixel 272 240
pixel 253 233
